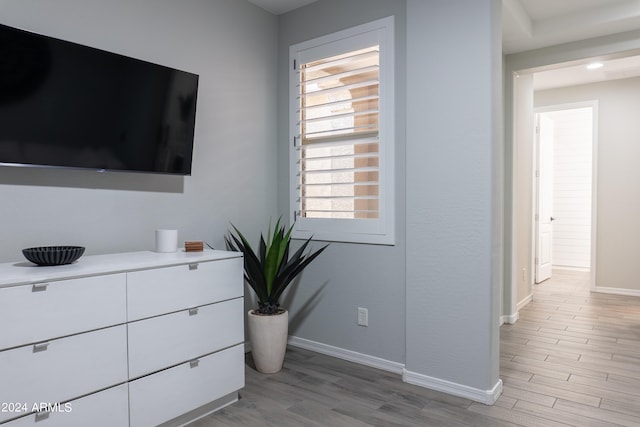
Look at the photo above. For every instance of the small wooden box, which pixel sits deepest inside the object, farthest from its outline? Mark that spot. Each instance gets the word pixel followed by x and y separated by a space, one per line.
pixel 193 246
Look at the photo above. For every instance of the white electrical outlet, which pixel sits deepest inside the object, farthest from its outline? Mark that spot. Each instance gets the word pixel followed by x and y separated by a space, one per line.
pixel 363 316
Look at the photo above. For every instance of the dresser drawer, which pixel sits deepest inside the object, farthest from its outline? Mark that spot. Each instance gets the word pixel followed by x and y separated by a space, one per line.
pixel 165 395
pixel 108 408
pixel 174 338
pixel 63 369
pixel 32 313
pixel 163 290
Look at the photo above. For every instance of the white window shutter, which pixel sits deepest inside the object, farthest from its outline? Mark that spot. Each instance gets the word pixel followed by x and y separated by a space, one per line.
pixel 342 154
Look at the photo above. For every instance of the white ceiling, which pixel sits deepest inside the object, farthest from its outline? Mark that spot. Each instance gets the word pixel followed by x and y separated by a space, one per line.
pixel 533 24
pixel 571 75
pixel 278 7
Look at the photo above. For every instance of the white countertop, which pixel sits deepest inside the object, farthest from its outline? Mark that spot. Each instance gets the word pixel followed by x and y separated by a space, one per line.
pixel 25 272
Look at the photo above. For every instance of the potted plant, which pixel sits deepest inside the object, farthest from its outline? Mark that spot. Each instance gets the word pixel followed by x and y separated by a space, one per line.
pixel 269 272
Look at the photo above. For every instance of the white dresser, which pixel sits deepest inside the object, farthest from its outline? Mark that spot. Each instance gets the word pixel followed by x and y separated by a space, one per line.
pixel 133 339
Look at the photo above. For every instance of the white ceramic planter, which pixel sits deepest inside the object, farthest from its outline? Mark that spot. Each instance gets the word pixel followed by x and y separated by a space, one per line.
pixel 268 338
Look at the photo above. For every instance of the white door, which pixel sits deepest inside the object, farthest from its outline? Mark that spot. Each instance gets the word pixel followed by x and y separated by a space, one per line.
pixel 572 186
pixel 544 184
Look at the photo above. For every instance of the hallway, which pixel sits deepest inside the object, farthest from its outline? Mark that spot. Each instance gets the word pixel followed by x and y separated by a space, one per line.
pixel 572 358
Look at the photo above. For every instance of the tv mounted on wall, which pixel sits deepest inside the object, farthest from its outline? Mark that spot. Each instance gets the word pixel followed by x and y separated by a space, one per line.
pixel 67 105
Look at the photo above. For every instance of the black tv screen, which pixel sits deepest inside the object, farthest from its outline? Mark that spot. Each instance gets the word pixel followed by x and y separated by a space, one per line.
pixel 67 105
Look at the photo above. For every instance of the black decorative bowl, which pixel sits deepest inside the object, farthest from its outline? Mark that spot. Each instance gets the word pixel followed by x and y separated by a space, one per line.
pixel 53 255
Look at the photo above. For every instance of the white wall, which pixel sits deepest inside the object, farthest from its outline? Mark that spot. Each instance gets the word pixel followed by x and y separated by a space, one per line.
pixel 618 187
pixel 523 161
pixel 231 45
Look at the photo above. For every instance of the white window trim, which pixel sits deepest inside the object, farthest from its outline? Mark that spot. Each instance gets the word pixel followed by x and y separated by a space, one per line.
pixel 376 231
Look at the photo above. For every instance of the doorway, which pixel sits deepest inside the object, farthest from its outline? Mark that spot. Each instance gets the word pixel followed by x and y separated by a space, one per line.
pixel 564 188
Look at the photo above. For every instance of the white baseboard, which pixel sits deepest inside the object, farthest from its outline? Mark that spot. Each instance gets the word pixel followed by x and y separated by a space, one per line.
pixel 570 268
pixel 526 300
pixel 514 317
pixel 488 397
pixel 617 291
pixel 351 356
pixel 509 318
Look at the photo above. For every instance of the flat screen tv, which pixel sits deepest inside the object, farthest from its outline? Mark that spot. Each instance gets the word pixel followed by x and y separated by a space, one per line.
pixel 67 105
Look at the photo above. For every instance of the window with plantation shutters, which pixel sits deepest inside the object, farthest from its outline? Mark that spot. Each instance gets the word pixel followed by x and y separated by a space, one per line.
pixel 338 140
pixel 342 135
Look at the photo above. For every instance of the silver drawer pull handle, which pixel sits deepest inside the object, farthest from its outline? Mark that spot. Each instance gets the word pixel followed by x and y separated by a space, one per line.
pixel 39 287
pixel 41 416
pixel 37 348
pixel 194 363
pixel 193 266
pixel 193 311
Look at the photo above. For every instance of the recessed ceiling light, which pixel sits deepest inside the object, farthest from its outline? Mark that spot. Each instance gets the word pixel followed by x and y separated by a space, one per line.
pixel 595 65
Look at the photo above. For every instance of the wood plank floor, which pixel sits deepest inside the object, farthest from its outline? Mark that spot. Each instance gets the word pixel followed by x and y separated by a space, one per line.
pixel 573 359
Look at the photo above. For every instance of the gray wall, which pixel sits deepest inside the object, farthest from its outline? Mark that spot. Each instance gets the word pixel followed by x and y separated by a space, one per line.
pixel 618 185
pixel 230 44
pixel 446 303
pixel 348 276
pixel 454 192
pixel 449 207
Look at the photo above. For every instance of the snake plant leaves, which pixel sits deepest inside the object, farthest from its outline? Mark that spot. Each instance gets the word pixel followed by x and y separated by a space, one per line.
pixel 271 270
